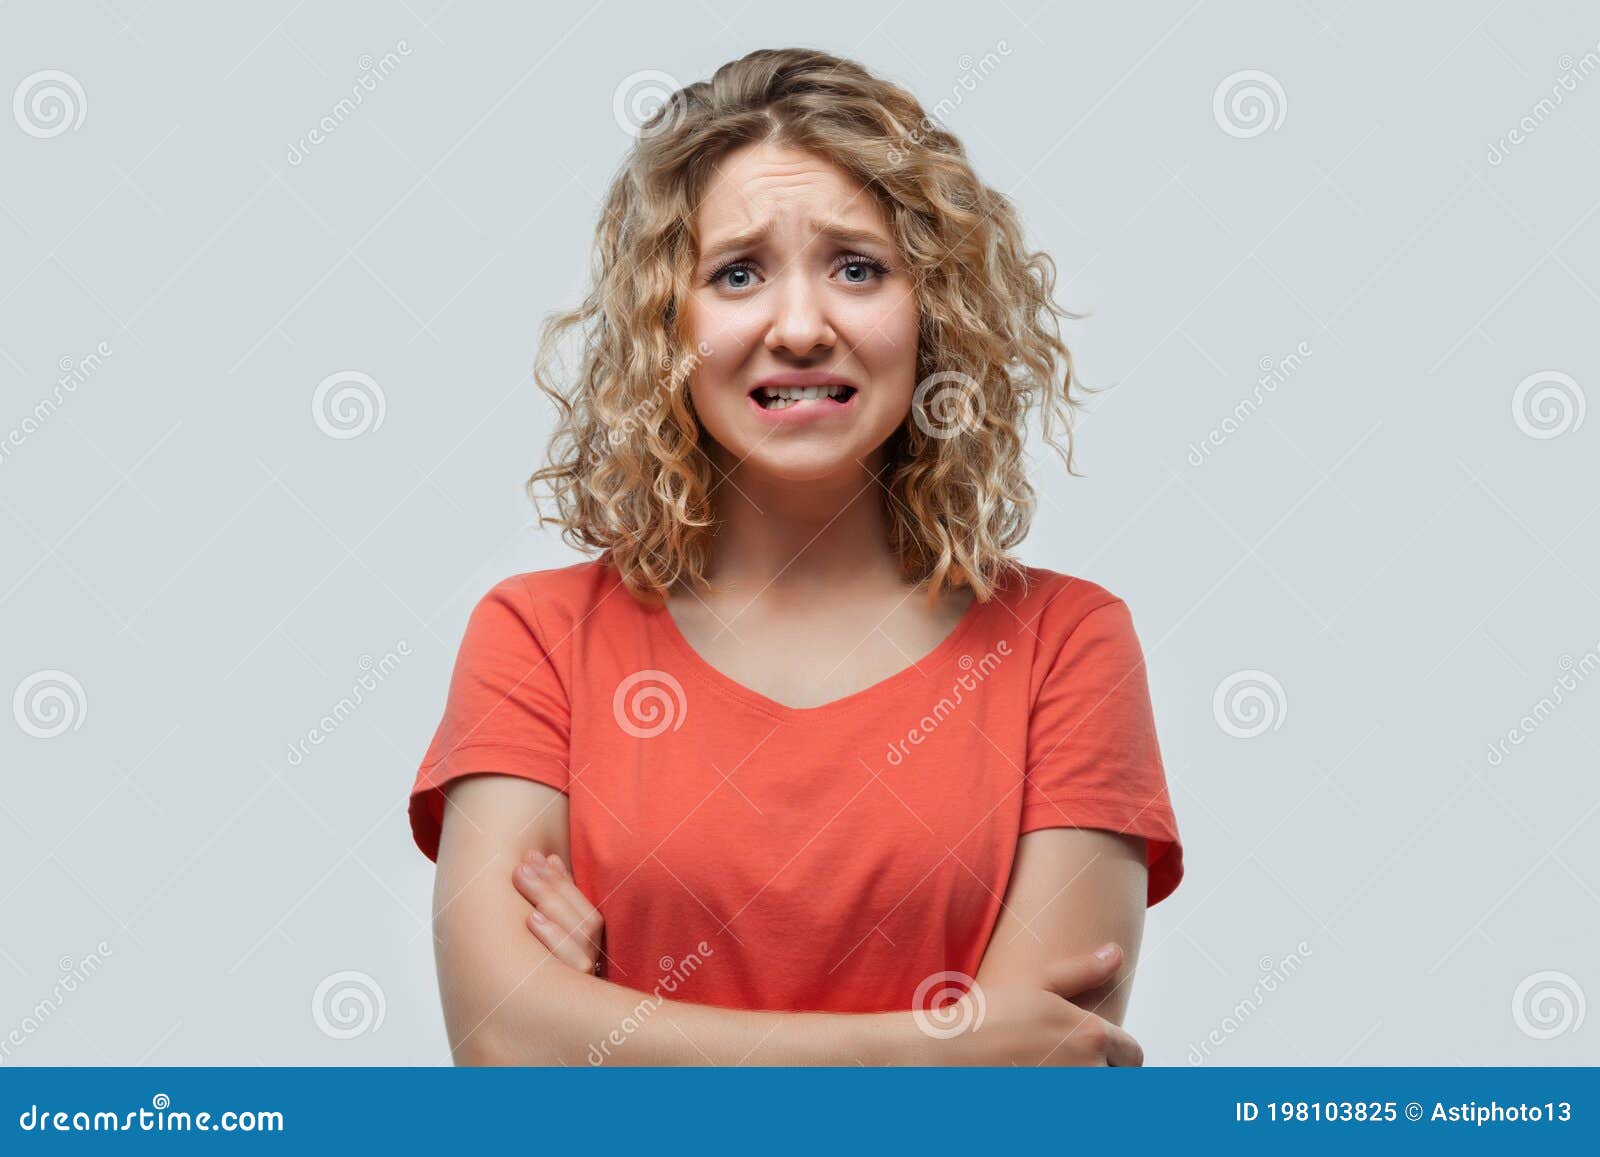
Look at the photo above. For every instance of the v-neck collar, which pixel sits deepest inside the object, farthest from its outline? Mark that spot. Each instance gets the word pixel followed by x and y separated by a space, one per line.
pixel 660 621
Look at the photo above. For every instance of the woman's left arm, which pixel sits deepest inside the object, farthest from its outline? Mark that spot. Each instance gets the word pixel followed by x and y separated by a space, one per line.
pixel 1071 890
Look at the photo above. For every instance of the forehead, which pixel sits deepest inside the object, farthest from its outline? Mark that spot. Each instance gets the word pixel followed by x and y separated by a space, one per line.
pixel 772 186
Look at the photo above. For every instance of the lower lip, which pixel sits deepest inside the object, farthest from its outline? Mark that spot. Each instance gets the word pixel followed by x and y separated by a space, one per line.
pixel 806 410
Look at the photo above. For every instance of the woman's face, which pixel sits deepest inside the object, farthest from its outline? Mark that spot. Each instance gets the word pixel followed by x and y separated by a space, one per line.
pixel 798 274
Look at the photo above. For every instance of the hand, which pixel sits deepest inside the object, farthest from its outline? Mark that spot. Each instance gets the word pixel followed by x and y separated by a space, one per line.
pixel 1019 1023
pixel 562 917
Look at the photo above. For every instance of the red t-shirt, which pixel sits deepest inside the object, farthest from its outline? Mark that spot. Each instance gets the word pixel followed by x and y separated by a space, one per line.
pixel 752 855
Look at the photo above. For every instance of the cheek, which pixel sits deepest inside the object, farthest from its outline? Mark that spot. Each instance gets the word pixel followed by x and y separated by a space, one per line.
pixel 711 383
pixel 714 366
pixel 887 347
pixel 710 352
pixel 722 327
pixel 887 333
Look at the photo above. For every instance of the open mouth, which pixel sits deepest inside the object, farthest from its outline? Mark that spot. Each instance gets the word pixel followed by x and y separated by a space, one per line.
pixel 784 397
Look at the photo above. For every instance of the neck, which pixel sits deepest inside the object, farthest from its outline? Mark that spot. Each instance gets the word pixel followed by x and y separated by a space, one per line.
pixel 813 537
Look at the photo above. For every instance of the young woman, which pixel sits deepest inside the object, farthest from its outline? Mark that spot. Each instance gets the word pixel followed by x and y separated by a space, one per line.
pixel 838 779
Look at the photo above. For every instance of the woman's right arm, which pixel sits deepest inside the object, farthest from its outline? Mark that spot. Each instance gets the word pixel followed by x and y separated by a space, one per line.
pixel 508 1001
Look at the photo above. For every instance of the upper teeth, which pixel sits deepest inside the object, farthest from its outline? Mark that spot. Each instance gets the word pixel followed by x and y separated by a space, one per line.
pixel 799 392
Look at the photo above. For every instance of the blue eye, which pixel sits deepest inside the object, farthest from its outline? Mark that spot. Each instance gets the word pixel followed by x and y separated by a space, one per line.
pixel 868 263
pixel 742 265
pixel 737 266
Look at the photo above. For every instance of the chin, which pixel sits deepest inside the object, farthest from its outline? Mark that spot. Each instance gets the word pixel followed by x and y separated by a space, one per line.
pixel 800 468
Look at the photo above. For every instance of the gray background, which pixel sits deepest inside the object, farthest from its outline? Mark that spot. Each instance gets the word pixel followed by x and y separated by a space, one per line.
pixel 1410 558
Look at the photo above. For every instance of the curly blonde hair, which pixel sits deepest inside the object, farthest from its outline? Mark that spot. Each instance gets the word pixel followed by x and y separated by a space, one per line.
pixel 627 466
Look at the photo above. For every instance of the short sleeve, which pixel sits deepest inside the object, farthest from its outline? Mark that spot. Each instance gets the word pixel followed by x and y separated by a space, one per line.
pixel 1093 757
pixel 507 710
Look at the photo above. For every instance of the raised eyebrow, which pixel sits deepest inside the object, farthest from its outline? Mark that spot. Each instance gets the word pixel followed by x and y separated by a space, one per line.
pixel 753 237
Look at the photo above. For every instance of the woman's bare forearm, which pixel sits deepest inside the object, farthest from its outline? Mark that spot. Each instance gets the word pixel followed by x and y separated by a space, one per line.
pixel 507 1000
pixel 560 1016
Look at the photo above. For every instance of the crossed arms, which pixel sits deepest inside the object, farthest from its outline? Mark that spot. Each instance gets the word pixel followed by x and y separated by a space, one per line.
pixel 508 1001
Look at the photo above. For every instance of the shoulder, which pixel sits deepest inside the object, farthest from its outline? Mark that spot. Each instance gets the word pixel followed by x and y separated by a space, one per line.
pixel 559 599
pixel 1056 603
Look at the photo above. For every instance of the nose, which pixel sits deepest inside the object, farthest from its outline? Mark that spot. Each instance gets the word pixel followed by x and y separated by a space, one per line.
pixel 800 323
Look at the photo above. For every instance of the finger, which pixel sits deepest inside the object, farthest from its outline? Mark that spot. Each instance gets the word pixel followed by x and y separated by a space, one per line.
pixel 1122 1051
pixel 1067 978
pixel 589 923
pixel 539 889
pixel 562 945
pixel 573 894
